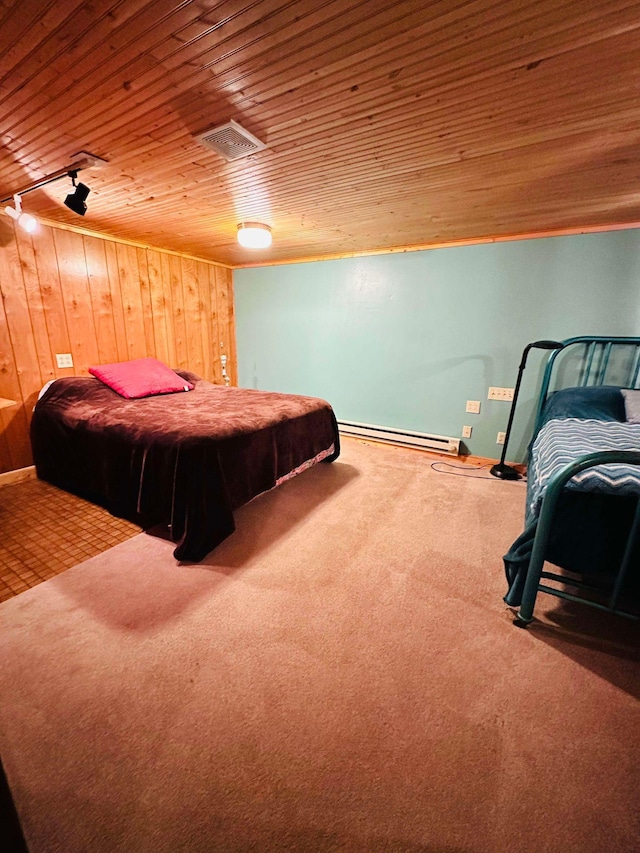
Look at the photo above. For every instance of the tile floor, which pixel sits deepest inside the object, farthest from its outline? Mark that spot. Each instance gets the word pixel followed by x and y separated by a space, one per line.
pixel 44 531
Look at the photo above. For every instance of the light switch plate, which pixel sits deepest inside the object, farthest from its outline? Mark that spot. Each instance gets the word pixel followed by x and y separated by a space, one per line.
pixel 500 394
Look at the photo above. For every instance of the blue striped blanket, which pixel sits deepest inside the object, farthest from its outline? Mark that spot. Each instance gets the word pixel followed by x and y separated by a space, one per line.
pixel 561 441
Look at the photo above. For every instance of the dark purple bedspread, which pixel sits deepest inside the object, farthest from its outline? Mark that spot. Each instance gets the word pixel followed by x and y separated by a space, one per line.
pixel 184 460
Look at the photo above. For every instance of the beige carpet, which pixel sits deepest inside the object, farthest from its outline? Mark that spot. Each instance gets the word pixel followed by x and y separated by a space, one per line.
pixel 340 676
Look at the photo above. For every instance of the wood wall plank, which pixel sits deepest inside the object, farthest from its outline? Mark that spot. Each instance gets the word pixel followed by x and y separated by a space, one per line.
pixel 35 304
pixel 18 318
pixel 159 308
pixel 145 294
pixel 102 301
pixel 205 307
pixel 51 292
pixel 215 334
pixel 177 303
pixel 233 358
pixel 165 269
pixel 74 279
pixel 15 449
pixel 131 300
pixel 116 298
pixel 224 325
pixel 193 314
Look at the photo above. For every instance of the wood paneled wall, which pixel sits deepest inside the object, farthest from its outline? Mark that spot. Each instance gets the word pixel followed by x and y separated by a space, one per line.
pixel 101 301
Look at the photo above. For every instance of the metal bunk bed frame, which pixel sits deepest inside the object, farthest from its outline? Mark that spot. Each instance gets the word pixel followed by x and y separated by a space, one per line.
pixel 593 368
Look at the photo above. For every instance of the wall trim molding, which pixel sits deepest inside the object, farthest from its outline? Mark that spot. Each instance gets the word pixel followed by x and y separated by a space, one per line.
pixel 389 250
pixel 8 478
pixel 449 244
pixel 62 226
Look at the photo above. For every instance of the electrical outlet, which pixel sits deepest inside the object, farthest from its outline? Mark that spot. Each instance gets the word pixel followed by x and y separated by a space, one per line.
pixel 63 359
pixel 501 437
pixel 500 394
pixel 473 406
pixel 466 431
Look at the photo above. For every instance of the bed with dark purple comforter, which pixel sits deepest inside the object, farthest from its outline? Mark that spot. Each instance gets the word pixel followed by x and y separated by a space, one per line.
pixel 184 460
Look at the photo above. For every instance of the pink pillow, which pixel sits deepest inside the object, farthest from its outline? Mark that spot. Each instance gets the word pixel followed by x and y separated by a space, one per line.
pixel 140 377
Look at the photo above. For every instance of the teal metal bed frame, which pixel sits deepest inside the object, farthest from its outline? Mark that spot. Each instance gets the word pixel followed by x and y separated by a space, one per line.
pixel 595 360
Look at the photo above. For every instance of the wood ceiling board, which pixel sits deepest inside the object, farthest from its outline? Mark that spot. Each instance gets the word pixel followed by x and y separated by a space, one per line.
pixel 387 123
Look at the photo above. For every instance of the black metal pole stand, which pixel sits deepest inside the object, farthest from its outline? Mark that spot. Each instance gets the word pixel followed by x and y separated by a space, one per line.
pixel 501 470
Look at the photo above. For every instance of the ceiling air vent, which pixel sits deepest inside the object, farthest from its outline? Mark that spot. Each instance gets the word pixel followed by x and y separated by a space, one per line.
pixel 231 141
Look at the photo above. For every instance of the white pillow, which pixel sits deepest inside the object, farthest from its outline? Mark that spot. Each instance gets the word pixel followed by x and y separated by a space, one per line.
pixel 45 388
pixel 632 405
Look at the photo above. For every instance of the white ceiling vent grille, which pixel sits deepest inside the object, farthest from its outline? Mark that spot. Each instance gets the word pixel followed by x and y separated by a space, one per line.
pixel 231 141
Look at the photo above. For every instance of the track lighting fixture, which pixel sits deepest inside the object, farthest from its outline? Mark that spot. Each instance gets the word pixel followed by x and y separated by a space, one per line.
pixel 254 235
pixel 25 220
pixel 75 201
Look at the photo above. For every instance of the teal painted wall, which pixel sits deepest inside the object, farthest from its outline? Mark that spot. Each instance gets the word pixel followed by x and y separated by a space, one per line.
pixel 405 340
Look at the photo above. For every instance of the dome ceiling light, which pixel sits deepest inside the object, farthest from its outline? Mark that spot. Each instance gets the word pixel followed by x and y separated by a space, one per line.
pixel 254 235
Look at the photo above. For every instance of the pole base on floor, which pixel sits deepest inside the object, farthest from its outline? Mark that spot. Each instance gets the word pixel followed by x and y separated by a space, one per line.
pixel 505 472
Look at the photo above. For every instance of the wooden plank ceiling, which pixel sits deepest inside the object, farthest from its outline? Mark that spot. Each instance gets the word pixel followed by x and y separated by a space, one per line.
pixel 388 123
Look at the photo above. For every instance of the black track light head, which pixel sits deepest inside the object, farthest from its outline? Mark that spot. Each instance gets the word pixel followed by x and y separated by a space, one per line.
pixel 76 201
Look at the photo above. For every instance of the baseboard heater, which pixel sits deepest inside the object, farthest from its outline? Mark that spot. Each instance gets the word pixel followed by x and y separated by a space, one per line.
pixel 421 440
